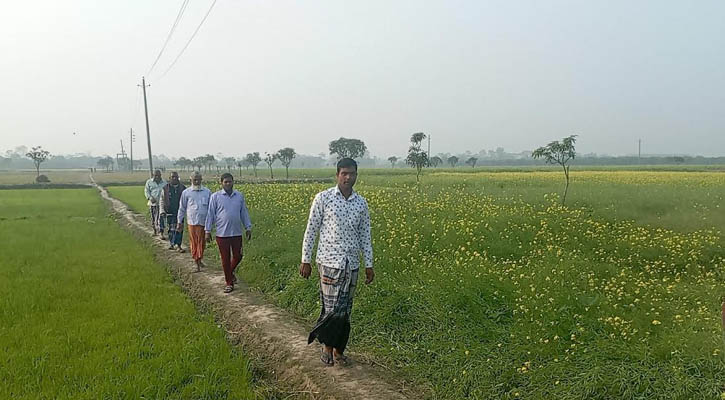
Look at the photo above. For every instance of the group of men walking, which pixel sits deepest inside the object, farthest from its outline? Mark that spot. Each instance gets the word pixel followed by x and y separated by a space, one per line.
pixel 339 216
pixel 226 210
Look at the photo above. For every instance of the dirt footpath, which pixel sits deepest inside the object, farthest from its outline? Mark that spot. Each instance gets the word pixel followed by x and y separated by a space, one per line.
pixel 268 332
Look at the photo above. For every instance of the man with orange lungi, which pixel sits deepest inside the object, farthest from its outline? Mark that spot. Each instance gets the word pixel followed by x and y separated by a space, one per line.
pixel 194 205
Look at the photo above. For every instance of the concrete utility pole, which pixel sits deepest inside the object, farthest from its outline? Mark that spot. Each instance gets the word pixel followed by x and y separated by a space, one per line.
pixel 148 134
pixel 428 149
pixel 131 140
pixel 639 151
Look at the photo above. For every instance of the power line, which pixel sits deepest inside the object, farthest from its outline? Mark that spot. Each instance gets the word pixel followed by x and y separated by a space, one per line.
pixel 190 39
pixel 171 32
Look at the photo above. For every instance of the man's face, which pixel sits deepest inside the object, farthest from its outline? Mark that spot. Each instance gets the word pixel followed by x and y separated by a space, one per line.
pixel 346 177
pixel 228 184
pixel 174 179
pixel 157 176
pixel 196 181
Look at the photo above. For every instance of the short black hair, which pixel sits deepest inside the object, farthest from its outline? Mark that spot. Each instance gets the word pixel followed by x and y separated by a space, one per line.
pixel 346 163
pixel 225 176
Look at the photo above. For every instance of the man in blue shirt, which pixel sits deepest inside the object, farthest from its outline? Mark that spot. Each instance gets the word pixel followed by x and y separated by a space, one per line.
pixel 228 212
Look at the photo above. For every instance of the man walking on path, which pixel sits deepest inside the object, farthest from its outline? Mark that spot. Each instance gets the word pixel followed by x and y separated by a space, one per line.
pixel 194 205
pixel 341 217
pixel 152 190
pixel 228 212
pixel 169 207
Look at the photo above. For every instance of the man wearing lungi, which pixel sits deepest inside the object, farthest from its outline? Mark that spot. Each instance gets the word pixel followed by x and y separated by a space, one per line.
pixel 194 205
pixel 341 218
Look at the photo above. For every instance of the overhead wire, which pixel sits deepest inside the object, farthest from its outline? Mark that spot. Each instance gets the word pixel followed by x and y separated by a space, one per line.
pixel 171 33
pixel 190 39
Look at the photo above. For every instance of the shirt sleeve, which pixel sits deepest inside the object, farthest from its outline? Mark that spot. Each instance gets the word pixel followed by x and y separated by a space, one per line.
pixel 314 222
pixel 244 215
pixel 147 191
pixel 366 243
pixel 182 208
pixel 210 215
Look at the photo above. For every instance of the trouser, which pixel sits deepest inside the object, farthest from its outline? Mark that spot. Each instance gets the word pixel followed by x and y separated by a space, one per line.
pixel 174 236
pixel 230 250
pixel 156 221
pixel 196 241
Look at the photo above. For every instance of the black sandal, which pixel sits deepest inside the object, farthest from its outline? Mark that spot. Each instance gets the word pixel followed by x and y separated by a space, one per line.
pixel 228 289
pixel 326 358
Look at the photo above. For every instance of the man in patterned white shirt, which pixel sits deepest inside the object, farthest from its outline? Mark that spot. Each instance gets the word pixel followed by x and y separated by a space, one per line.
pixel 341 217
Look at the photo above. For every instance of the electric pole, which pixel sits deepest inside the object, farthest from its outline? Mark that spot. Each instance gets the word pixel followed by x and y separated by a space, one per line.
pixel 131 140
pixel 429 149
pixel 148 134
pixel 639 151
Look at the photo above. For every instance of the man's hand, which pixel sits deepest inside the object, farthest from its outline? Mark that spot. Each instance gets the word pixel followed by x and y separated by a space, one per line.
pixel 369 275
pixel 179 228
pixel 249 235
pixel 208 237
pixel 305 270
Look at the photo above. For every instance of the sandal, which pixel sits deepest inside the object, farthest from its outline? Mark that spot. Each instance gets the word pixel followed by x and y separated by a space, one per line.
pixel 326 358
pixel 342 360
pixel 228 289
pixel 181 250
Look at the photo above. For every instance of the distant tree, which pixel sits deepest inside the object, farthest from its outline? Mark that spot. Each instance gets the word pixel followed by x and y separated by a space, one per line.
pixel 393 160
pixel 183 162
pixel 678 159
pixel 38 155
pixel 106 162
pixel 435 161
pixel 417 157
pixel 348 148
pixel 472 161
pixel 253 159
pixel 124 163
pixel 559 153
pixel 198 162
pixel 240 163
pixel 286 156
pixel 229 162
pixel 453 160
pixel 269 159
pixel 209 161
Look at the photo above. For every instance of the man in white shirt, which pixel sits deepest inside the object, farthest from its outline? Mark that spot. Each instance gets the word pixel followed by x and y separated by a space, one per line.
pixel 152 190
pixel 341 217
pixel 193 206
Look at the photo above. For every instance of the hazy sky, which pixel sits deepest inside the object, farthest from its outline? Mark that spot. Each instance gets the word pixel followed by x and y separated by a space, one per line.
pixel 261 75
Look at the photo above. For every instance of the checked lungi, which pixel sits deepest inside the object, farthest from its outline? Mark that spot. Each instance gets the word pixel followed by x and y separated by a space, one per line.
pixel 337 289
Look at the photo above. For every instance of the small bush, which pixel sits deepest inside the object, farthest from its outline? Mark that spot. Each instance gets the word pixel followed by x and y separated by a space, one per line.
pixel 42 179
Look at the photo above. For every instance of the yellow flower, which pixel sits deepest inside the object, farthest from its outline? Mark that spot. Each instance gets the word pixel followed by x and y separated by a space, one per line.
pixel 656 322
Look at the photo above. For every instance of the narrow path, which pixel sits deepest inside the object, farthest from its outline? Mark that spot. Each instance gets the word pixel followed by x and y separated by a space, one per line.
pixel 267 331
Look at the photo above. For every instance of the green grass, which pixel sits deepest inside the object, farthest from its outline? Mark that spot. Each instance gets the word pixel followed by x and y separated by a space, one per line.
pixel 86 313
pixel 488 288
